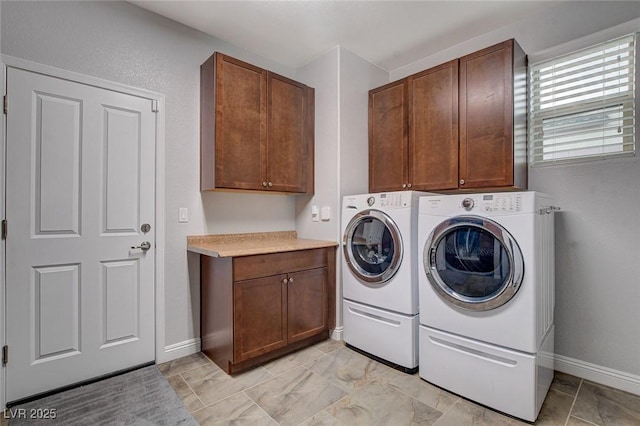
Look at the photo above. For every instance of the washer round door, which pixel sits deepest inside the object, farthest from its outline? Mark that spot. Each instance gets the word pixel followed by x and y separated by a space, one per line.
pixel 473 262
pixel 373 247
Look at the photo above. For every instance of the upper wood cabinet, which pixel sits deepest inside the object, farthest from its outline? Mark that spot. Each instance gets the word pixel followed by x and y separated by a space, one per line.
pixel 413 132
pixel 256 129
pixel 493 117
pixel 460 125
pixel 388 170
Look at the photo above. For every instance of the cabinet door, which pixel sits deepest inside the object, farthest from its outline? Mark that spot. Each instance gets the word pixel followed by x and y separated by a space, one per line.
pixel 433 128
pixel 486 117
pixel 289 156
pixel 307 303
pixel 388 137
pixel 259 316
pixel 240 124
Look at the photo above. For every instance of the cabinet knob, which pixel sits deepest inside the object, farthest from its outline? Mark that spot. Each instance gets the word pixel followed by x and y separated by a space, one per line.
pixel 284 281
pixel 290 280
pixel 270 184
pixel 409 185
pixel 404 185
pixel 264 184
pixel 461 181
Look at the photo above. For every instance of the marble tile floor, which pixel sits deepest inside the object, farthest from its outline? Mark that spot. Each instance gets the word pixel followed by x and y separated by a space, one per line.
pixel 329 384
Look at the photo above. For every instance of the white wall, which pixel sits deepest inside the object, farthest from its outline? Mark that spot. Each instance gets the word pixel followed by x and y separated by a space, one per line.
pixel 342 81
pixel 597 234
pixel 120 42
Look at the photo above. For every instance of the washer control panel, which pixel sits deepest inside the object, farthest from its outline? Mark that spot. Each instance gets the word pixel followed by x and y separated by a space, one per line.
pixel 498 203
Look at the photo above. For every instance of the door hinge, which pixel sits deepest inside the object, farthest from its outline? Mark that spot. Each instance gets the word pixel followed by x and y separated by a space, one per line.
pixel 4 229
pixel 5 354
pixel 154 105
pixel 4 104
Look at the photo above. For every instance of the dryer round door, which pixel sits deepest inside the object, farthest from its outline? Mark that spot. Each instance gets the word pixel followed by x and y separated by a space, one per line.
pixel 473 262
pixel 373 247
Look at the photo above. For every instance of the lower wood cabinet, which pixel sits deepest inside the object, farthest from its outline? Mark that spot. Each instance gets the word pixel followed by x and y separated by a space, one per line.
pixel 254 308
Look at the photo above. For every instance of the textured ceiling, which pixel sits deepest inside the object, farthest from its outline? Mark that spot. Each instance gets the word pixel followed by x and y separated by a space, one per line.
pixel 390 34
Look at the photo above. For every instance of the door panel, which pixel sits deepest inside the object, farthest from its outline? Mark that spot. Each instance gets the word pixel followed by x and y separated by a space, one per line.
pixel 80 182
pixel 486 117
pixel 259 316
pixel 433 128
pixel 120 289
pixel 240 124
pixel 57 169
pixel 287 146
pixel 57 310
pixel 122 168
pixel 388 137
pixel 307 303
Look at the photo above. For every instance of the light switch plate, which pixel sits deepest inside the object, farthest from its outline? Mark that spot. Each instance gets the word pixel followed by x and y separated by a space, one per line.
pixel 183 215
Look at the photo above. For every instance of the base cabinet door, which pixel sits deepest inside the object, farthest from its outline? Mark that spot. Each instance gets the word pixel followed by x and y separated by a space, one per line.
pixel 258 307
pixel 260 322
pixel 307 304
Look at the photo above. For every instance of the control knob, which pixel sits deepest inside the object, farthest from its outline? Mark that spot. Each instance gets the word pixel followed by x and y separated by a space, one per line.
pixel 467 203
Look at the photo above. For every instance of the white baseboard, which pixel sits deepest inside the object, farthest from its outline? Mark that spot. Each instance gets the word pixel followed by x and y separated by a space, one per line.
pixel 606 376
pixel 336 333
pixel 179 350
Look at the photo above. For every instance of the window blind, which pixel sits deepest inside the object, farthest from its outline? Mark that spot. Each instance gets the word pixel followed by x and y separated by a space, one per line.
pixel 582 105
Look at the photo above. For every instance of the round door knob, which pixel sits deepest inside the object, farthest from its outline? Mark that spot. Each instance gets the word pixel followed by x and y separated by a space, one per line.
pixel 290 280
pixel 270 184
pixel 264 184
pixel 461 181
pixel 409 185
pixel 284 281
pixel 404 185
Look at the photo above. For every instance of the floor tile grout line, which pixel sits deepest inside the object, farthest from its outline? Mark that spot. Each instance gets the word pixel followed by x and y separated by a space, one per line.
pixel 194 392
pixel 583 420
pixel 257 405
pixel 575 398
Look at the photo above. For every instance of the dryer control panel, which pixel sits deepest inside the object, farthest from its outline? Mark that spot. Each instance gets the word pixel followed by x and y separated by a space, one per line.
pixel 499 203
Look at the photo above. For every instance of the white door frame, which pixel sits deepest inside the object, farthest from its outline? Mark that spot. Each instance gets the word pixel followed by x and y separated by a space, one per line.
pixel 10 61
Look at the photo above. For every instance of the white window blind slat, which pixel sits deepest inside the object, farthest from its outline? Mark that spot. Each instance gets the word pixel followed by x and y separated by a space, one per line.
pixel 582 105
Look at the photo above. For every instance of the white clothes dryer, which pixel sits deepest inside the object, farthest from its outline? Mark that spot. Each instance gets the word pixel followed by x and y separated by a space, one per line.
pixel 379 275
pixel 486 287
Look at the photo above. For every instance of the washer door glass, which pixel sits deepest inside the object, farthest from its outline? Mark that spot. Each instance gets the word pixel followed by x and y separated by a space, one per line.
pixel 473 263
pixel 373 247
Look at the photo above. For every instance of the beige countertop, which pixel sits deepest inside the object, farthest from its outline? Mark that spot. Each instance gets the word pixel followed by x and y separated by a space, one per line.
pixel 233 245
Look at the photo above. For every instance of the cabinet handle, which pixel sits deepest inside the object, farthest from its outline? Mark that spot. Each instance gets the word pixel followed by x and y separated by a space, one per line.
pixel 270 184
pixel 404 185
pixel 284 281
pixel 461 181
pixel 264 184
pixel 409 185
pixel 290 280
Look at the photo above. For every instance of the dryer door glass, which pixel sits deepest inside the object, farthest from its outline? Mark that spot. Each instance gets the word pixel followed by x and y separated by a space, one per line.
pixel 373 248
pixel 473 263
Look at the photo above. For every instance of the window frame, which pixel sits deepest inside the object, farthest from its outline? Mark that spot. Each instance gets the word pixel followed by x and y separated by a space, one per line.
pixel 626 103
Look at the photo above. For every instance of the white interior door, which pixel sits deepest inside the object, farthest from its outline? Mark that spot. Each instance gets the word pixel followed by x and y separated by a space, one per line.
pixel 80 185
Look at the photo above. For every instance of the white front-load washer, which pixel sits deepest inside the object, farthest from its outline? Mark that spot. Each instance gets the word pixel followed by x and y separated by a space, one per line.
pixel 379 275
pixel 486 288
